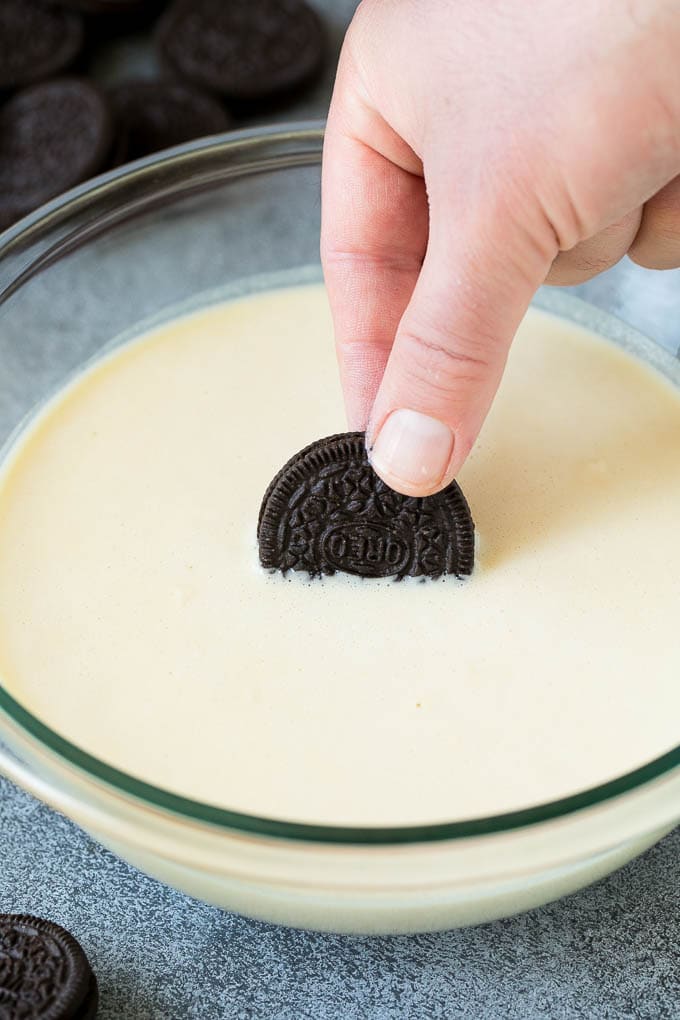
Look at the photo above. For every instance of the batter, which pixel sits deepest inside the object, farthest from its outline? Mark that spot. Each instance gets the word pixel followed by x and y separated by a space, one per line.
pixel 136 621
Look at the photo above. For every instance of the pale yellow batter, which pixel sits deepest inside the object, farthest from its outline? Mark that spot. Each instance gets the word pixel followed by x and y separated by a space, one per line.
pixel 135 620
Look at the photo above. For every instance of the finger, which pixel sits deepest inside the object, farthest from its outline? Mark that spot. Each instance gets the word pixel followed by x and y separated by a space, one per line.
pixel 373 239
pixel 657 243
pixel 451 346
pixel 596 254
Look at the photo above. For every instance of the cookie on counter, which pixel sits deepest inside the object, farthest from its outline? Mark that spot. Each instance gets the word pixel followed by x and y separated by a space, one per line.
pixel 153 115
pixel 245 50
pixel 52 136
pixel 44 972
pixel 36 41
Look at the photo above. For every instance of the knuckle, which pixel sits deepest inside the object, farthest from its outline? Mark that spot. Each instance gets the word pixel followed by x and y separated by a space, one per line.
pixel 571 268
pixel 642 255
pixel 595 255
pixel 661 219
pixel 597 262
pixel 657 244
pixel 656 255
pixel 369 259
pixel 362 355
pixel 442 361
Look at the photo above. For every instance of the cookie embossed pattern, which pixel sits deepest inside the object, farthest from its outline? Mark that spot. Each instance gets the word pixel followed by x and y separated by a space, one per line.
pixel 44 972
pixel 328 511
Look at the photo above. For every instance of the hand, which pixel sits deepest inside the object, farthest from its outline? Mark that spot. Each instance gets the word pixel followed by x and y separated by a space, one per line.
pixel 473 151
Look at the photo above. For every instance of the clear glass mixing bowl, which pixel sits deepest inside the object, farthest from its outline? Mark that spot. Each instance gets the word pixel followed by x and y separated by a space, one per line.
pixel 128 247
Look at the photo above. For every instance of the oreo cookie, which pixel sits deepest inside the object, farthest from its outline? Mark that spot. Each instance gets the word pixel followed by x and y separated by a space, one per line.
pixel 52 136
pixel 36 41
pixel 153 115
pixel 44 972
pixel 328 511
pixel 245 50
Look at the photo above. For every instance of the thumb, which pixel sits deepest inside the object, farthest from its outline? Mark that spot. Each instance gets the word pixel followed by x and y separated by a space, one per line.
pixel 475 285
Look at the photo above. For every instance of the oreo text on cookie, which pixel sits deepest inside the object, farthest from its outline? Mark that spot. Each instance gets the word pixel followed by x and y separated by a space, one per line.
pixel 328 511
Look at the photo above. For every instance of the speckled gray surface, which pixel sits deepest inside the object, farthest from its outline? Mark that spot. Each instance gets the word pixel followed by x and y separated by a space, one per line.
pixel 612 951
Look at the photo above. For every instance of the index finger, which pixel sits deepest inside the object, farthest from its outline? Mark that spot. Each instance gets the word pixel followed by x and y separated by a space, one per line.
pixel 373 239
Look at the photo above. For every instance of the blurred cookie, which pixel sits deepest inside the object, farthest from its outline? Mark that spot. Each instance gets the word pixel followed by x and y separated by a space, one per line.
pixel 52 136
pixel 36 41
pixel 44 972
pixel 246 50
pixel 153 115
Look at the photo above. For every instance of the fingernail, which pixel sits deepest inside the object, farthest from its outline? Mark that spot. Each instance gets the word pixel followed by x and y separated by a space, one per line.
pixel 412 450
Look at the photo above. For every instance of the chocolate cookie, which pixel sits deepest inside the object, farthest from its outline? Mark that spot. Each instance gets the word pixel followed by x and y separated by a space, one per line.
pixel 246 50
pixel 44 973
pixel 153 115
pixel 36 41
pixel 52 136
pixel 328 511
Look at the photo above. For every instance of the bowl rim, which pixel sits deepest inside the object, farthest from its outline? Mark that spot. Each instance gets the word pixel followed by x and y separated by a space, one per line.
pixel 302 142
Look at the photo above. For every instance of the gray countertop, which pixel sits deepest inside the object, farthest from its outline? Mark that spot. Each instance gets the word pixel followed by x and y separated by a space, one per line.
pixel 612 951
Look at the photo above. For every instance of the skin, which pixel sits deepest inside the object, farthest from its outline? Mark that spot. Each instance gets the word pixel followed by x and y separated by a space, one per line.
pixel 473 152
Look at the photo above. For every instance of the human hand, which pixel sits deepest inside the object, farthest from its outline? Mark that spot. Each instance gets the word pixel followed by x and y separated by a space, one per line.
pixel 474 151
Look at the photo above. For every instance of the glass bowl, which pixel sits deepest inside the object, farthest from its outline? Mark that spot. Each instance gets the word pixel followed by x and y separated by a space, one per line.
pixel 130 247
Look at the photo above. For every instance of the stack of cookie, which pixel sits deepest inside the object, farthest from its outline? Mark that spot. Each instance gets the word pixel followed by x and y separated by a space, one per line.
pixel 220 61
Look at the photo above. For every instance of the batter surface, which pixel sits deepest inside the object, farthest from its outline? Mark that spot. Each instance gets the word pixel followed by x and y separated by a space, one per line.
pixel 135 620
